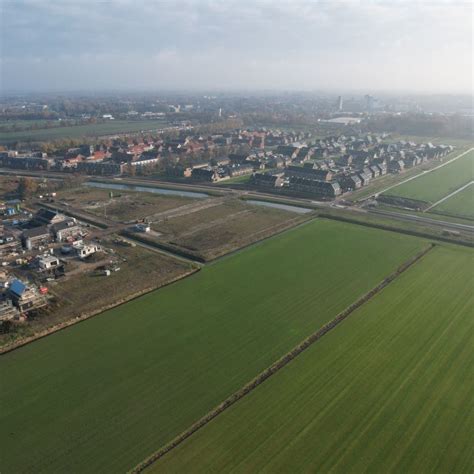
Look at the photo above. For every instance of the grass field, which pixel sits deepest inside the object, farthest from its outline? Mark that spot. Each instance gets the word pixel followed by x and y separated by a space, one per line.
pixel 78 131
pixel 390 390
pixel 459 205
pixel 435 185
pixel 104 394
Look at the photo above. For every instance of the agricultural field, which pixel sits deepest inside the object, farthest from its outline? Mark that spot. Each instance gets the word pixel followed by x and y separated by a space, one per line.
pixel 460 204
pixel 226 225
pixel 79 400
pixel 389 390
pixel 79 131
pixel 435 185
pixel 120 206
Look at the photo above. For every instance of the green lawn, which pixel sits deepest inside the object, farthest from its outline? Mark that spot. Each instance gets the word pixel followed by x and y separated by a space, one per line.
pixel 390 390
pixel 435 185
pixel 104 394
pixel 459 205
pixel 79 131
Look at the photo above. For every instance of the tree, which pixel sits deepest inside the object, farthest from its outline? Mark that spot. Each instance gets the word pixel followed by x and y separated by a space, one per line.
pixel 131 170
pixel 27 187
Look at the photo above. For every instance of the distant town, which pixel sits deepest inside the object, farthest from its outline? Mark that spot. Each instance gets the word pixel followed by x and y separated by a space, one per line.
pixel 289 162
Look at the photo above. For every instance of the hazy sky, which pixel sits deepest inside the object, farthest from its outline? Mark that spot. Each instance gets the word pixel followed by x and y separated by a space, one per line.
pixel 273 44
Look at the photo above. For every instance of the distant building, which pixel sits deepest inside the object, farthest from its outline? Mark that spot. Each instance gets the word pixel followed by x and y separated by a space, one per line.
pixel 47 262
pixel 36 237
pixel 7 310
pixel 318 188
pixel 369 103
pixel 309 173
pixel 84 250
pixel 267 180
pixel 66 229
pixel 101 168
pixel 49 217
pixel 349 182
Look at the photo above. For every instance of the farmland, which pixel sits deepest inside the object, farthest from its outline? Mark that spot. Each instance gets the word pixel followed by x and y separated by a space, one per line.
pixel 106 393
pixel 389 390
pixel 458 205
pixel 79 131
pixel 435 185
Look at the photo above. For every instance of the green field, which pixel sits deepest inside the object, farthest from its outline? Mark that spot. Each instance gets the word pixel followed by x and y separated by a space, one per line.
pixel 79 131
pixel 389 390
pixel 106 393
pixel 459 205
pixel 435 185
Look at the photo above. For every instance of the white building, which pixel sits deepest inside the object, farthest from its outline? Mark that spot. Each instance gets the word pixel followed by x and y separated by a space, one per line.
pixel 85 250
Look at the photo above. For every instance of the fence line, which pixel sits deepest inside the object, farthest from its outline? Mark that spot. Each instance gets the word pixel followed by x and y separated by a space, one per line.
pixel 279 364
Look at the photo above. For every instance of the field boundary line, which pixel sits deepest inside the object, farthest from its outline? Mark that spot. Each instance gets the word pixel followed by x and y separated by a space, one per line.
pixel 423 173
pixel 88 315
pixel 397 230
pixel 287 226
pixel 462 188
pixel 280 363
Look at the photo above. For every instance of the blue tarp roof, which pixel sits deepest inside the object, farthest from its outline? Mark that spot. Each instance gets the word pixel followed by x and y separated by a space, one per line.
pixel 17 287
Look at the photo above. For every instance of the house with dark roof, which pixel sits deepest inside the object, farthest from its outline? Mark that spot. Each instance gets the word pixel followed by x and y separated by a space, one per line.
pixel 288 150
pixel 65 229
pixel 375 171
pixel 267 180
pixel 365 175
pixel 36 237
pixel 48 217
pixel 349 182
pixel 309 173
pixel 382 166
pixel 314 187
pixel 396 166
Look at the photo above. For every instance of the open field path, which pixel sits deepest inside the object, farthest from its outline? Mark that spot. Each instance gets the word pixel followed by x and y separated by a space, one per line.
pixel 423 173
pixel 161 251
pixel 186 209
pixel 449 195
pixel 424 220
pixel 280 363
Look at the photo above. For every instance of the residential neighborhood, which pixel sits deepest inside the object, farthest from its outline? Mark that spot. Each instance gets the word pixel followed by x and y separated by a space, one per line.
pixel 322 167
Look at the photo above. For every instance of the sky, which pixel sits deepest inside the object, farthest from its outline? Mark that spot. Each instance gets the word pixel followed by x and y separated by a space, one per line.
pixel 397 45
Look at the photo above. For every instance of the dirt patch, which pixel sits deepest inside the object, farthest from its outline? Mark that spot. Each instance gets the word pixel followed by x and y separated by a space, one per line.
pixel 214 231
pixel 120 206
